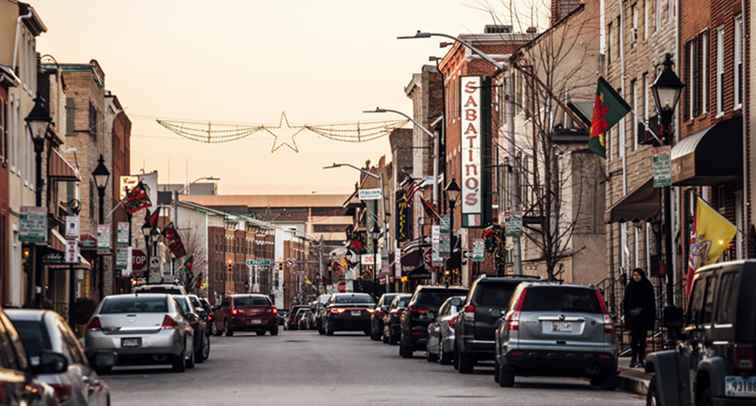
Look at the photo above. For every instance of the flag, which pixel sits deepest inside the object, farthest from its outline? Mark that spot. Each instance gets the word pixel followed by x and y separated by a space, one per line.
pixel 608 109
pixel 411 188
pixel 154 217
pixel 173 241
pixel 137 198
pixel 430 210
pixel 189 264
pixel 692 258
pixel 713 234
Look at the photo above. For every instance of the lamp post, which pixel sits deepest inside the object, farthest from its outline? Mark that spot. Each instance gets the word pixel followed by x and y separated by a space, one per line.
pixel 101 175
pixel 375 233
pixel 452 194
pixel 147 234
pixel 666 90
pixel 38 123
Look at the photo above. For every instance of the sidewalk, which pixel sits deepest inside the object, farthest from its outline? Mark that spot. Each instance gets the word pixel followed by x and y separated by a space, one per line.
pixel 633 380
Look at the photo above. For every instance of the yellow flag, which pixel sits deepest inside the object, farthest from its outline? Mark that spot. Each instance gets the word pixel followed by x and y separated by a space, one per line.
pixel 713 232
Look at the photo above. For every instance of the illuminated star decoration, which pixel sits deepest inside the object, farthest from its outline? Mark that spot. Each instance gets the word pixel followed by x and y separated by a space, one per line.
pixel 284 123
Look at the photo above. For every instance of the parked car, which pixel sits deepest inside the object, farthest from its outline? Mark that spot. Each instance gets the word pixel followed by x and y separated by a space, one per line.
pixel 19 378
pixel 169 288
pixel 282 315
pixel 247 312
pixel 392 329
pixel 440 346
pixel 376 318
pixel 348 312
pixel 319 311
pixel 291 320
pixel 304 319
pixel 44 330
pixel 556 329
pixel 421 310
pixel 474 330
pixel 201 336
pixel 138 329
pixel 718 345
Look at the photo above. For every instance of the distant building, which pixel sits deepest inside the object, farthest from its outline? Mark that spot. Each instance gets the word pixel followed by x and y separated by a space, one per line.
pixel 199 188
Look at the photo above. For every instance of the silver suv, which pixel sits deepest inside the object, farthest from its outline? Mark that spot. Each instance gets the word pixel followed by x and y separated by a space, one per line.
pixel 555 329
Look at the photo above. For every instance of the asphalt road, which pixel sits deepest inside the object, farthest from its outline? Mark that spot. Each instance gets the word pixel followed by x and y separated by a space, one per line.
pixel 303 368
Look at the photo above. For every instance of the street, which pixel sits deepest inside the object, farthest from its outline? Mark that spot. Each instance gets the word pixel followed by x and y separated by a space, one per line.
pixel 301 367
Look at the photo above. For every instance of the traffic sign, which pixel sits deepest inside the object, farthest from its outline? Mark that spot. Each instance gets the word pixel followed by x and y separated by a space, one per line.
pixel 370 194
pixel 138 259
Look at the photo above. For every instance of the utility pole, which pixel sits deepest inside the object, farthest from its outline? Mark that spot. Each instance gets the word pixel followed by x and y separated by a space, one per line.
pixel 513 170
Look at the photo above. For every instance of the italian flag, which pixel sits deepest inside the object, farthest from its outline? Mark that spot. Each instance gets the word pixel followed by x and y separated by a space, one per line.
pixel 608 109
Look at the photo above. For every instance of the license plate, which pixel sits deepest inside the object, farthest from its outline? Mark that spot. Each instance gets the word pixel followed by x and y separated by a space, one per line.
pixel 131 342
pixel 356 313
pixel 737 386
pixel 561 327
pixel 255 321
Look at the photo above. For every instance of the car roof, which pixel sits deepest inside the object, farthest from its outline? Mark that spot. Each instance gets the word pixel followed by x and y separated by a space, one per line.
pixel 136 294
pixel 248 295
pixel 26 314
pixel 351 294
pixel 557 285
pixel 512 279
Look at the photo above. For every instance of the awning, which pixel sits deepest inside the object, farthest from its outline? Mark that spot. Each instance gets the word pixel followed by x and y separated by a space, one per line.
pixel 642 203
pixel 61 170
pixel 82 264
pixel 711 156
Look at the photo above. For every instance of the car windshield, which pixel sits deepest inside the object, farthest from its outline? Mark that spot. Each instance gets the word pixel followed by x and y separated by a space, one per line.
pixel 561 299
pixel 387 299
pixel 135 304
pixel 183 303
pixel 241 301
pixel 34 337
pixel 195 301
pixel 494 295
pixel 356 298
pixel 402 301
pixel 434 298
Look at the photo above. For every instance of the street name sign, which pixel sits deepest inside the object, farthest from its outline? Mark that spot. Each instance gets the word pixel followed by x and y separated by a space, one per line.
pixel 661 167
pixel 33 225
pixel 370 194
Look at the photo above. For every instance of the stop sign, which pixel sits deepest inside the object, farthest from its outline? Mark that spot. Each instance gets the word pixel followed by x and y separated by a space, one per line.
pixel 138 259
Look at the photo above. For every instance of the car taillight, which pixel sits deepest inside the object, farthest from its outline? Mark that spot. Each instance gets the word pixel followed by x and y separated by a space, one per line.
pixel 336 311
pixel 62 391
pixel 274 311
pixel 608 323
pixel 210 317
pixel 94 324
pixel 234 312
pixel 168 322
pixel 418 310
pixel 744 356
pixel 512 322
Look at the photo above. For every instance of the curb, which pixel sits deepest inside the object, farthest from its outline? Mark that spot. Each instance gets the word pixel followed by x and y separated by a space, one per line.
pixel 634 381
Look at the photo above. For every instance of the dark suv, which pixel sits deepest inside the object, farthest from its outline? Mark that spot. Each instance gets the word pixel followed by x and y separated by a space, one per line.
pixel 475 328
pixel 718 348
pixel 421 310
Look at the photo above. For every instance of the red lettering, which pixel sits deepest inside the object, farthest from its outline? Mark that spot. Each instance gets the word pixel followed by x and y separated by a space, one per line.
pixel 471 199
pixel 471 87
pixel 471 114
pixel 472 183
pixel 471 102
pixel 471 129
pixel 471 168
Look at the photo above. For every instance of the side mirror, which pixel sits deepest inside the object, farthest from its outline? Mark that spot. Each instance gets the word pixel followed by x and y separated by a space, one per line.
pixel 503 312
pixel 49 362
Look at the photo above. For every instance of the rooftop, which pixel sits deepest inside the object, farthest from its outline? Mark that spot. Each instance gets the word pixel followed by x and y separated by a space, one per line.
pixel 303 201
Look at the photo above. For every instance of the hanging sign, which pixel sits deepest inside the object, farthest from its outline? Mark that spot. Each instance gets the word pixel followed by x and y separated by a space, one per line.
pixel 33 225
pixel 72 226
pixel 370 194
pixel 479 250
pixel 444 243
pixel 72 251
pixel 513 226
pixel 123 232
pixel 103 238
pixel 474 122
pixel 127 183
pixel 436 257
pixel 661 166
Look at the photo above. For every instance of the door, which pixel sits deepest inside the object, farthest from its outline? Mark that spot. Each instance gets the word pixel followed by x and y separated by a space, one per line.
pixel 490 299
pixel 88 383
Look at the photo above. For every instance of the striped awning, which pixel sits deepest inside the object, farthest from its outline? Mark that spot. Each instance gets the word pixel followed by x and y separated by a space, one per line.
pixel 60 170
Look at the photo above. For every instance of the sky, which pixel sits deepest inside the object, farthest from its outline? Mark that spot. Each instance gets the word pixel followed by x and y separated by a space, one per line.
pixel 247 61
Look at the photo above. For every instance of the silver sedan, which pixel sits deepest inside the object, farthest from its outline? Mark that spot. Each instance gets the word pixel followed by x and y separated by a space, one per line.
pixel 139 329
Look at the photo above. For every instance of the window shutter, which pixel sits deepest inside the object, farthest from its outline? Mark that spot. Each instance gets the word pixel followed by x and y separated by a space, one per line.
pixel 698 100
pixel 688 89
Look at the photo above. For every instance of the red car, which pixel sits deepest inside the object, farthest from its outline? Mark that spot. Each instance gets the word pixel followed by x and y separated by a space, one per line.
pixel 246 312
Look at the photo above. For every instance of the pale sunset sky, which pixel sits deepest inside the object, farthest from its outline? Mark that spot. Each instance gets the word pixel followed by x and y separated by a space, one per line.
pixel 246 61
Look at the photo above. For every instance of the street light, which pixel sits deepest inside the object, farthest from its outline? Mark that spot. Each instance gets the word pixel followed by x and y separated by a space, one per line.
pixel 375 233
pixel 666 89
pixel 38 123
pixel 147 231
pixel 101 175
pixel 452 194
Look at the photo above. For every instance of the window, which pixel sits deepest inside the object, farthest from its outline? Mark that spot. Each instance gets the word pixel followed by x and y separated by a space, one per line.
pixel 695 72
pixel 3 131
pixel 70 114
pixel 657 15
pixel 704 47
pixel 738 62
pixel 91 201
pixel 117 305
pixel 646 14
pixel 696 301
pixel 728 297
pixel 634 106
pixel 720 70
pixel 707 313
pixel 609 44
pixel 634 32
pixel 92 119
pixel 621 133
pixel 646 90
pixel 561 299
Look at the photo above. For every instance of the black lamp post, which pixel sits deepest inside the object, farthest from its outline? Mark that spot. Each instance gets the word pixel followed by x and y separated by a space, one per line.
pixel 452 194
pixel 375 234
pixel 147 233
pixel 101 175
pixel 666 90
pixel 38 123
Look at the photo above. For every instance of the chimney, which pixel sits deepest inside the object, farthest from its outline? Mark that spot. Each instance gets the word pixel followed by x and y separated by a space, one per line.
pixel 497 29
pixel 532 30
pixel 561 8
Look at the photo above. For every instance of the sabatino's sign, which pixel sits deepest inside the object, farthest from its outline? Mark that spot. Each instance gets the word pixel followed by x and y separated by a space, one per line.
pixel 475 120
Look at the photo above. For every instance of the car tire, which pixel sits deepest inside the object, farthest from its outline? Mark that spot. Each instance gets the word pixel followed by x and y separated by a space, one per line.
pixel 431 357
pixel 227 329
pixel 218 332
pixel 328 329
pixel 704 397
pixel 260 333
pixel 367 332
pixel 190 363
pixel 274 331
pixel 465 363
pixel 179 363
pixel 206 350
pixel 605 381
pixel 404 350
pixel 506 376
pixel 652 396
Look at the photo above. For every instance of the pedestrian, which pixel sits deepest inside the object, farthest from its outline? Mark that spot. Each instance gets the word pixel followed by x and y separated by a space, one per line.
pixel 640 314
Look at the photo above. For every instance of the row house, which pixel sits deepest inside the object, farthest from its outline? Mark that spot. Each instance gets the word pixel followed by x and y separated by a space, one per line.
pixel 553 80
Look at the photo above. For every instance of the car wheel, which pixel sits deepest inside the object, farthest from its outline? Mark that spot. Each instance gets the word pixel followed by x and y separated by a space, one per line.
pixel 506 376
pixel 260 333
pixel 704 398
pixel 218 332
pixel 652 396
pixel 227 329
pixel 206 350
pixel 404 350
pixel 179 363
pixel 190 362
pixel 274 331
pixel 367 332
pixel 328 329
pixel 606 381
pixel 430 356
pixel 465 363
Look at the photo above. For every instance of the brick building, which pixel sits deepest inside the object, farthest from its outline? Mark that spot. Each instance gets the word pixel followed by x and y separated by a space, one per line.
pixel 118 124
pixel 457 63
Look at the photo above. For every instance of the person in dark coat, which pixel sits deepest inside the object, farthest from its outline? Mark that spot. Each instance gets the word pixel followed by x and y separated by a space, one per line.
pixel 640 314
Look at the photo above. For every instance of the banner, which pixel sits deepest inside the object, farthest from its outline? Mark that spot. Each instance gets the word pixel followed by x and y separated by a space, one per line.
pixel 403 225
pixel 475 122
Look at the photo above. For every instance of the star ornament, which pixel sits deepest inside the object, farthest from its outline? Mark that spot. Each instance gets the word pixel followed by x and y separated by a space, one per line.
pixel 293 131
